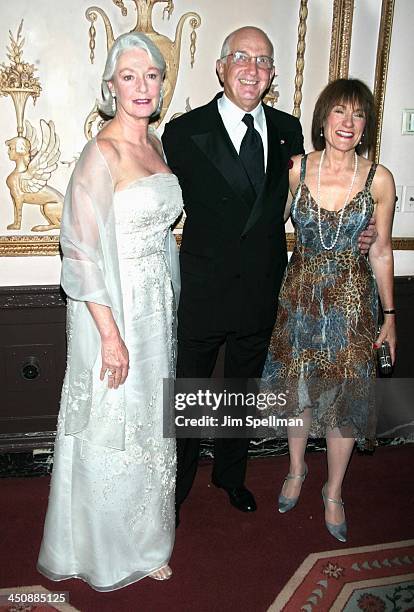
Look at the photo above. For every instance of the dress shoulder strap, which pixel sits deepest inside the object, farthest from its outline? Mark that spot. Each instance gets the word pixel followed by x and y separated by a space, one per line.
pixel 370 176
pixel 303 167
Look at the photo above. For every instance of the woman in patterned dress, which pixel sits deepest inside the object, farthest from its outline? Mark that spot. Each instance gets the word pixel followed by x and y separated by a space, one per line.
pixel 325 335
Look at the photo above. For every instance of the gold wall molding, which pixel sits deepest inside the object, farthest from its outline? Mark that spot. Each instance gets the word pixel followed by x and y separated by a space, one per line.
pixel 403 244
pixel 300 58
pixel 341 34
pixel 381 71
pixel 28 246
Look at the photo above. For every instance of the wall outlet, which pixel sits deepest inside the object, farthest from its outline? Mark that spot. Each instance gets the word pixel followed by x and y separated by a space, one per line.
pixel 398 198
pixel 408 205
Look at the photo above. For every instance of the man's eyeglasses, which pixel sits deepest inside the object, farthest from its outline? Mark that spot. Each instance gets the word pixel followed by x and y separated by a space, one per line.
pixel 243 59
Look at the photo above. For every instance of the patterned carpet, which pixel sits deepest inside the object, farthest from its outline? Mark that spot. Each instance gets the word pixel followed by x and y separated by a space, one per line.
pixel 228 561
pixel 376 578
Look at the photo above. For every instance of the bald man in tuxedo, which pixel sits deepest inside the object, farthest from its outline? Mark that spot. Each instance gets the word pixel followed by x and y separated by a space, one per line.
pixel 232 159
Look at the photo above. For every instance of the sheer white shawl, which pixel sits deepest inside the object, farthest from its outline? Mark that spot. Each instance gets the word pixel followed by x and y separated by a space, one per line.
pixel 90 273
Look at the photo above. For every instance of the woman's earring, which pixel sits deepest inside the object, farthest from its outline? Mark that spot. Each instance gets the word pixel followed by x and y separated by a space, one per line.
pixel 321 132
pixel 362 138
pixel 114 102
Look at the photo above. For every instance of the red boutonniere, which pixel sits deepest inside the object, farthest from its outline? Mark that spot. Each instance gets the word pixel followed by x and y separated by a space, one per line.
pixel 290 164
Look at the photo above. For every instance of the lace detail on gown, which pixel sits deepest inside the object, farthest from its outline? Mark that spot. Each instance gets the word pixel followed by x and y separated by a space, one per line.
pixel 111 518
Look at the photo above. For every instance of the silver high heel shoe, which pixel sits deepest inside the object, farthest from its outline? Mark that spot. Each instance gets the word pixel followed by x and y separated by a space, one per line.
pixel 337 531
pixel 287 503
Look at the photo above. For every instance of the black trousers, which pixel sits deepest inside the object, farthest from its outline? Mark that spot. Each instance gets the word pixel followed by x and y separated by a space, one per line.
pixel 196 358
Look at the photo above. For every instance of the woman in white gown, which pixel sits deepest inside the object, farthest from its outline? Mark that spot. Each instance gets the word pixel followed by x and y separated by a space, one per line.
pixel 110 519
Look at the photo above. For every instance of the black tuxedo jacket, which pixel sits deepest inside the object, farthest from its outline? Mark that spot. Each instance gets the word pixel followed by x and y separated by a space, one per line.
pixel 233 250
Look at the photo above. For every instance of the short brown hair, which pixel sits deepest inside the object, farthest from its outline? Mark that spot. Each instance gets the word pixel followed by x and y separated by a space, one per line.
pixel 344 91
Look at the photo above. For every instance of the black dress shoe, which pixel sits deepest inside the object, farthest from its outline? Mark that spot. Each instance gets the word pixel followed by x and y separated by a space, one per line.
pixel 240 498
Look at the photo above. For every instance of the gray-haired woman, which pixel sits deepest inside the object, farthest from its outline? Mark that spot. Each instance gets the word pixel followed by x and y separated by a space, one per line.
pixel 110 519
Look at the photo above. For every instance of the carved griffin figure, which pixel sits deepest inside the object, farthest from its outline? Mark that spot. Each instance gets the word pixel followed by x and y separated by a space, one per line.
pixel 28 181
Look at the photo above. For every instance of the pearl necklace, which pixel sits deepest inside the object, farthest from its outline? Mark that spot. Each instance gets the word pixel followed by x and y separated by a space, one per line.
pixel 341 214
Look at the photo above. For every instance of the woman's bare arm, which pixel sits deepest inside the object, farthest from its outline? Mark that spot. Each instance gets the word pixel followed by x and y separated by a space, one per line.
pixel 381 255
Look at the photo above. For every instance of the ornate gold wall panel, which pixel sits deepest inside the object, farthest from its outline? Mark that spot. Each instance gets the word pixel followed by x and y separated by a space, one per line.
pixel 26 245
pixel 34 164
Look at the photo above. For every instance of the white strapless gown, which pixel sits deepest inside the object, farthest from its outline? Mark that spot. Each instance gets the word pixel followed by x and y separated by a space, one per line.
pixel 110 519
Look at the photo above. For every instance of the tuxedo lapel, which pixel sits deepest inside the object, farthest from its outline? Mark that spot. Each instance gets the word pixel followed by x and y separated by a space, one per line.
pixel 275 165
pixel 216 144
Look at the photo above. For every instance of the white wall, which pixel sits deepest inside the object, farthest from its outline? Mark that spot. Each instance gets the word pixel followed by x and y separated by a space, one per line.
pixel 57 43
pixel 365 26
pixel 397 150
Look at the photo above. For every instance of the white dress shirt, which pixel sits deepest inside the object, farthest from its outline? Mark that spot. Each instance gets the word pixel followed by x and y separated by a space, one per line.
pixel 232 117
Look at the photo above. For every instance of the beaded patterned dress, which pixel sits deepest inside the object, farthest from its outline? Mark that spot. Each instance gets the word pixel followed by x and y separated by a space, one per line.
pixel 111 517
pixel 321 347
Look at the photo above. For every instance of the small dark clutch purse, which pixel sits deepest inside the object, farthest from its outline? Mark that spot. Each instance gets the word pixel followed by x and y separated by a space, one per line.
pixel 384 358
